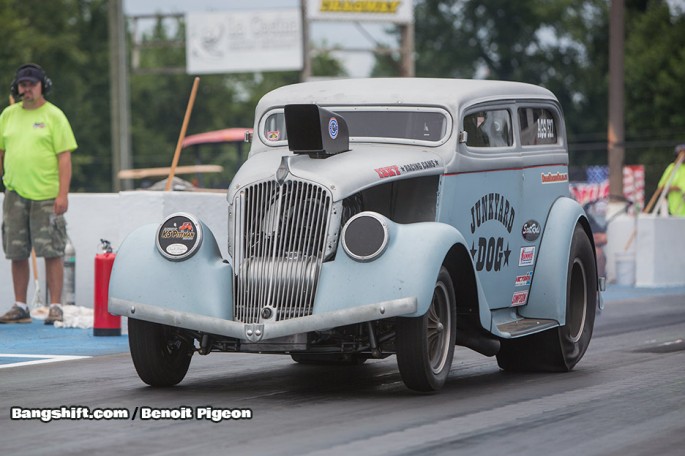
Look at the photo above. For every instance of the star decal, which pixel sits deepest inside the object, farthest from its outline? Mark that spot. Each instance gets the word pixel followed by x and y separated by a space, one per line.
pixel 506 255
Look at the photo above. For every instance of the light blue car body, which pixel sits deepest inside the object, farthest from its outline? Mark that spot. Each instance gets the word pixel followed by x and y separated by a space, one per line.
pixel 480 200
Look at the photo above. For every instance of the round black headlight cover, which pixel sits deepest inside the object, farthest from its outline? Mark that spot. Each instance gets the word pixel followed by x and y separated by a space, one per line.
pixel 179 236
pixel 365 236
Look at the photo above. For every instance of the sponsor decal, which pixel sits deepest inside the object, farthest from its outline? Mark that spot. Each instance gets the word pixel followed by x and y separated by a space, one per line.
pixel 333 127
pixel 178 237
pixel 395 170
pixel 527 256
pixel 492 206
pixel 176 249
pixel 545 128
pixel 388 171
pixel 523 279
pixel 531 230
pixel 420 166
pixel 553 178
pixel 176 233
pixel 39 125
pixel 273 135
pixel 360 6
pixel 519 298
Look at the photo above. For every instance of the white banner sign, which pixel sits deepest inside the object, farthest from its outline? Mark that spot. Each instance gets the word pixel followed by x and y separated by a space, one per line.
pixel 241 42
pixel 398 11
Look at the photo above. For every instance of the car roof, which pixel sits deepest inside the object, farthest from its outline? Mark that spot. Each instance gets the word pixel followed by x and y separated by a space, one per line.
pixel 449 93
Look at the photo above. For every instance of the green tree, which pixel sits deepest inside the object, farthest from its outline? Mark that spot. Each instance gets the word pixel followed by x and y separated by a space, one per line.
pixel 563 45
pixel 387 64
pixel 88 105
pixel 68 38
pixel 158 104
pixel 655 88
pixel 557 44
pixel 159 101
pixel 324 64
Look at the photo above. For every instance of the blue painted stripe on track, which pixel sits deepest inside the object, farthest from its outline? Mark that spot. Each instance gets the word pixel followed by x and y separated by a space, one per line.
pixel 37 338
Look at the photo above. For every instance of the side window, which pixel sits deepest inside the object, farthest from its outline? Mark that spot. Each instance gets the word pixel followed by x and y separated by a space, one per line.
pixel 488 128
pixel 274 128
pixel 538 126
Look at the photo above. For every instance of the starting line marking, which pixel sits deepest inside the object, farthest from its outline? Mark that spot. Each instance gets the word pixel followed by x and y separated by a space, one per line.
pixel 39 359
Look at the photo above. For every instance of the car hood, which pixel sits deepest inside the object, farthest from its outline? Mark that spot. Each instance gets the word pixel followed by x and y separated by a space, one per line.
pixel 343 174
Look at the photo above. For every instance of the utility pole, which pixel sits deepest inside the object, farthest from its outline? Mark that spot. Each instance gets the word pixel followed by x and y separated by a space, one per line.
pixel 306 61
pixel 407 50
pixel 616 133
pixel 119 97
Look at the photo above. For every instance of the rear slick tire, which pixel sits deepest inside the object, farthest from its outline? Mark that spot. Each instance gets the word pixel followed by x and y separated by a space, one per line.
pixel 425 345
pixel 160 355
pixel 559 349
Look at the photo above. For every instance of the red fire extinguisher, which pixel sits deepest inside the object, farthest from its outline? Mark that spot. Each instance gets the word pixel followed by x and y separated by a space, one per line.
pixel 105 324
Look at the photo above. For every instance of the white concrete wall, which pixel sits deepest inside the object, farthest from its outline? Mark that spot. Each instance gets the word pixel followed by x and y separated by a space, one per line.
pixel 660 251
pixel 621 238
pixel 112 216
pixel 656 245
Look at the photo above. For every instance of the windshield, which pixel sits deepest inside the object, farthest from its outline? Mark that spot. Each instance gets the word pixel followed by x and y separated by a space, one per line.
pixel 377 124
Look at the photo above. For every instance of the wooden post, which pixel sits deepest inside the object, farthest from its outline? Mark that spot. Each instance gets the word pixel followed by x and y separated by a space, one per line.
pixel 182 135
pixel 616 134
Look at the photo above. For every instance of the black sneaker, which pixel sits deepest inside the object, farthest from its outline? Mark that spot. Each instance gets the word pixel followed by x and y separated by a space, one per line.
pixel 55 314
pixel 16 315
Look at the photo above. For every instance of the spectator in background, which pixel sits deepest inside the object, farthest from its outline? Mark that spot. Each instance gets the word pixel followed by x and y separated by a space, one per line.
pixel 36 141
pixel 676 192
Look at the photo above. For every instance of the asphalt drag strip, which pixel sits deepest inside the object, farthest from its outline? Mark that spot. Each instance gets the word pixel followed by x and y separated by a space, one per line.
pixel 38 343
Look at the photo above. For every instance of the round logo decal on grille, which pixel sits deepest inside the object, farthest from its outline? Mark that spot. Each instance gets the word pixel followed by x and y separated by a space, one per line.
pixel 179 236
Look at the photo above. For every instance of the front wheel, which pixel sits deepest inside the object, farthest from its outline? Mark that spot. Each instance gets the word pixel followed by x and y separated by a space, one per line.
pixel 560 349
pixel 160 353
pixel 425 345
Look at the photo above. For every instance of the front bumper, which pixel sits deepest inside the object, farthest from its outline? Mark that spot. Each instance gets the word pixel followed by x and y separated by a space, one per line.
pixel 256 332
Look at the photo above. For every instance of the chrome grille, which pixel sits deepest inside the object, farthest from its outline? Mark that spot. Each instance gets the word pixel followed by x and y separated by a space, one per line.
pixel 280 239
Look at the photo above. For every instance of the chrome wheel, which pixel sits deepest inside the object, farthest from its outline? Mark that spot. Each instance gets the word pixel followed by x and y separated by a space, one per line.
pixel 438 331
pixel 425 345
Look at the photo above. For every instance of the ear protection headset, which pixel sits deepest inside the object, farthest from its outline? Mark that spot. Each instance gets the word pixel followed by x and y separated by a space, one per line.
pixel 45 81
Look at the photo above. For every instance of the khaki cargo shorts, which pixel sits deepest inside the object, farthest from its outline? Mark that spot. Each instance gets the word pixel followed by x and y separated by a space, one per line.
pixel 27 223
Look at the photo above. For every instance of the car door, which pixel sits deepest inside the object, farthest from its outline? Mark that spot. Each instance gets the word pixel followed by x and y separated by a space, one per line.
pixel 540 129
pixel 484 199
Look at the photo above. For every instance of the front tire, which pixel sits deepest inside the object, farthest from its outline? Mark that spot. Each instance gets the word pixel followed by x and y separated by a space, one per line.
pixel 560 349
pixel 160 354
pixel 425 345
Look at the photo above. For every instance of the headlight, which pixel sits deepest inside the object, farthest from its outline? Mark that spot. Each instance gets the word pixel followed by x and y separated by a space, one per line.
pixel 365 236
pixel 179 236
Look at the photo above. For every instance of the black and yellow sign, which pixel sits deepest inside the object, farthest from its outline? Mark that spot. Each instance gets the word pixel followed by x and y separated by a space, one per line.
pixel 400 11
pixel 360 6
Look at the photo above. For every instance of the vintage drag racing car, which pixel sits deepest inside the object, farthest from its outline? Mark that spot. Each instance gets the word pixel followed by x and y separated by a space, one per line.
pixel 377 217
